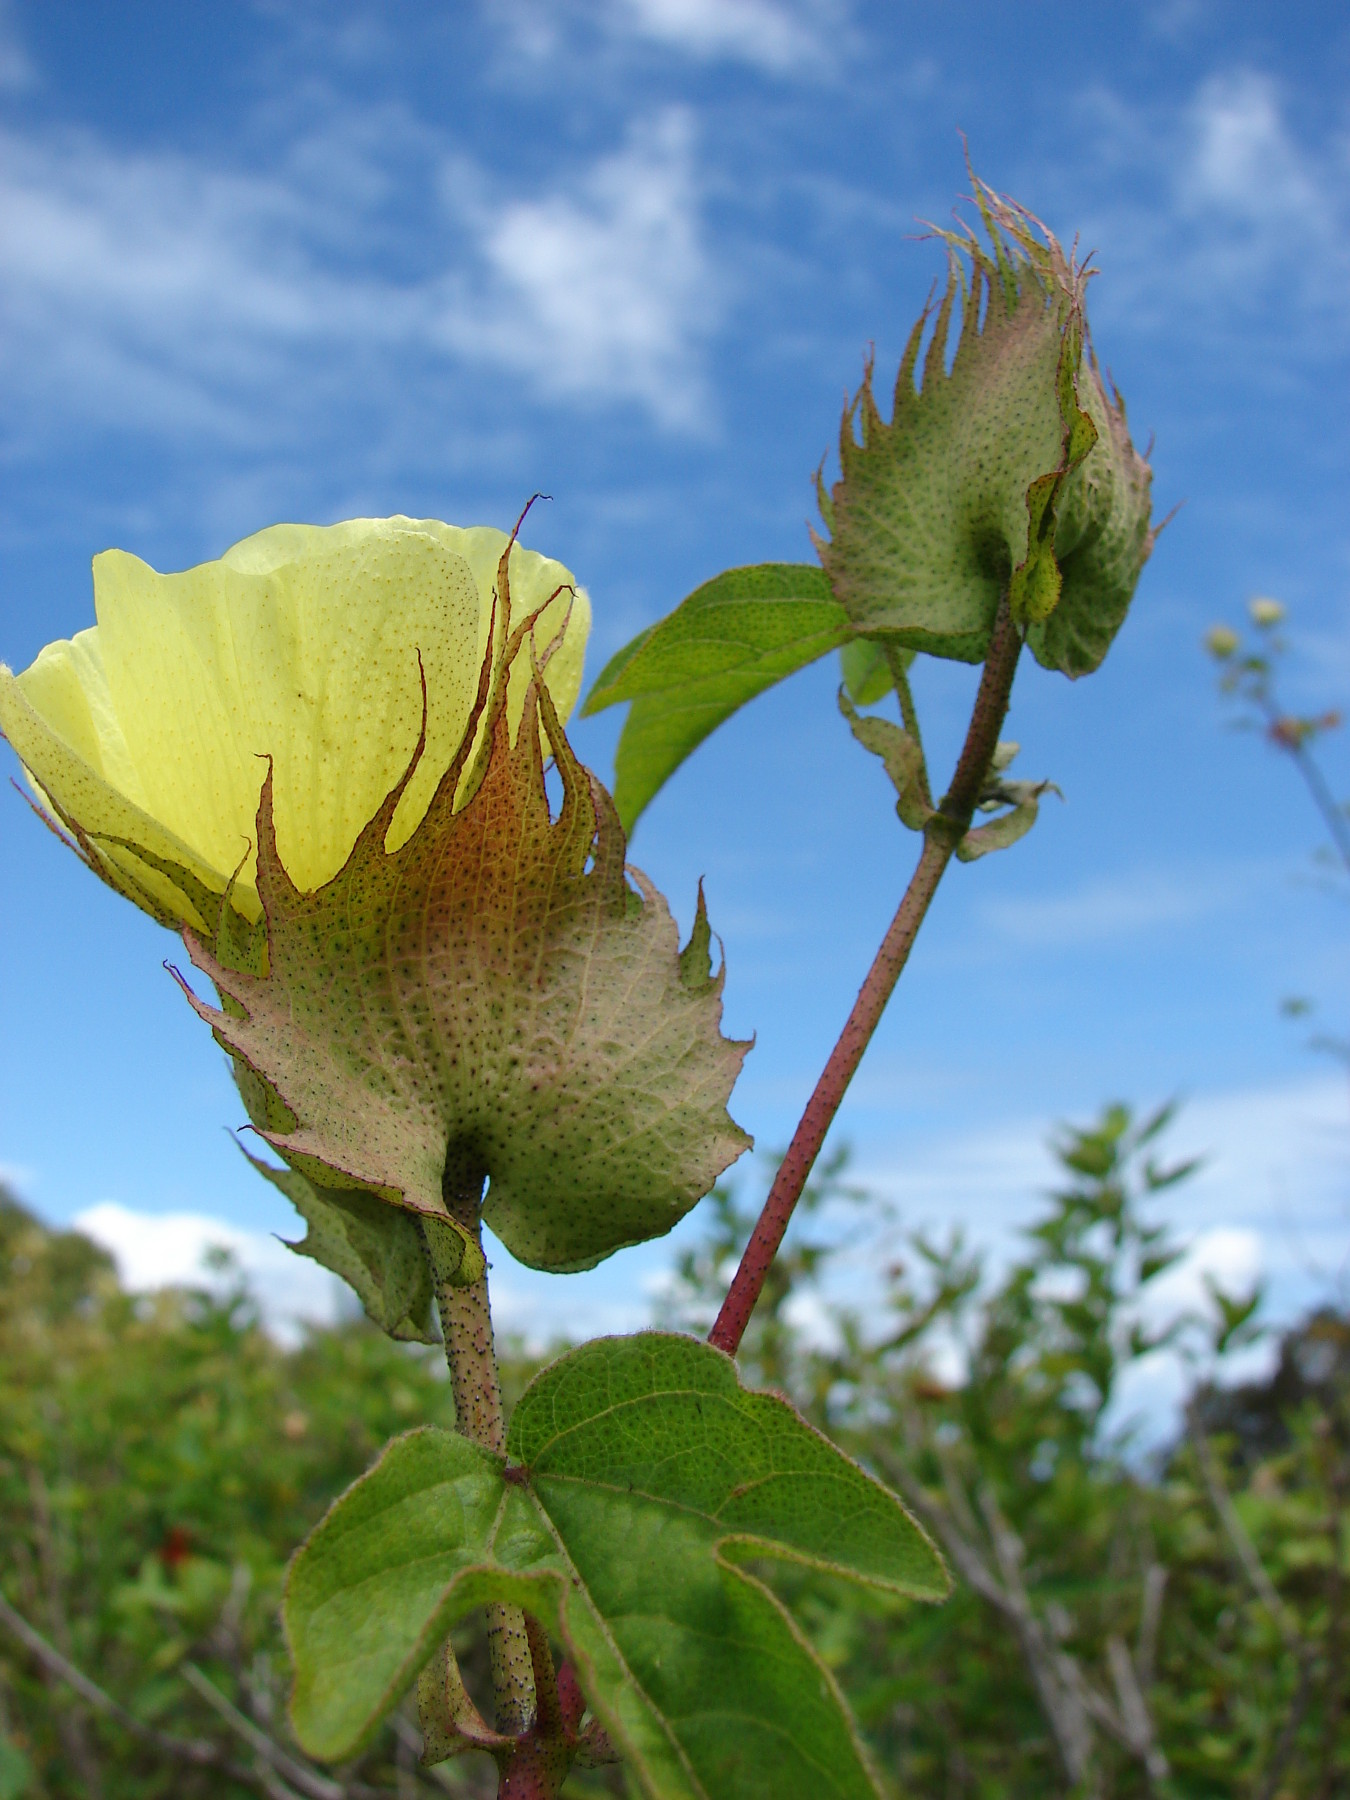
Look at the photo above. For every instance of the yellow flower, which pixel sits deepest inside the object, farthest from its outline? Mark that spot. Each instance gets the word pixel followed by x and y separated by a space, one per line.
pixel 146 735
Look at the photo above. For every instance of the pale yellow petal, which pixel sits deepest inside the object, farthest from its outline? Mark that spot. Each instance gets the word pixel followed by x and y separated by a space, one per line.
pixel 300 644
pixel 66 739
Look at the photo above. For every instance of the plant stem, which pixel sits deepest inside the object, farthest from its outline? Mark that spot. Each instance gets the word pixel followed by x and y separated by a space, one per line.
pixel 466 1323
pixel 1279 732
pixel 941 837
pixel 909 716
pixel 541 1760
pixel 1332 816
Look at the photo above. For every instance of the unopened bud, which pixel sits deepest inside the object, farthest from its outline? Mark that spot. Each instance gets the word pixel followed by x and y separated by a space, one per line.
pixel 1221 641
pixel 1265 612
pixel 1006 468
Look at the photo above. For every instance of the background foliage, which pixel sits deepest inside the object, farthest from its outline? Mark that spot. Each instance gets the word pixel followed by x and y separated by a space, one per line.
pixel 1121 1626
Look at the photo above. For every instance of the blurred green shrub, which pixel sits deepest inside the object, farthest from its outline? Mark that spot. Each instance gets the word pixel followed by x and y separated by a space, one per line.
pixel 1127 1622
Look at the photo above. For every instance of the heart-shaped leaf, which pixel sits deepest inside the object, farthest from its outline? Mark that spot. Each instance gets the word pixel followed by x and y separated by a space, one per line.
pixel 642 1480
pixel 729 640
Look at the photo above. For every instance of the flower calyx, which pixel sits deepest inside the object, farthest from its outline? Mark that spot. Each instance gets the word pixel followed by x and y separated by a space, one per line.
pixel 493 981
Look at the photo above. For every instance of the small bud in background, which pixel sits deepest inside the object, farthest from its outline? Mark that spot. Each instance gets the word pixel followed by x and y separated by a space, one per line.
pixel 1265 612
pixel 1221 641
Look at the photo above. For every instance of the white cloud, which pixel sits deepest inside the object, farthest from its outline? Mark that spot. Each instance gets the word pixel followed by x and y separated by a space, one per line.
pixel 1109 908
pixel 763 33
pixel 1176 19
pixel 156 1250
pixel 151 290
pixel 604 288
pixel 543 1310
pixel 1229 1256
pixel 1243 160
pixel 161 292
pixel 1270 1204
pixel 774 37
pixel 1275 1169
pixel 1238 206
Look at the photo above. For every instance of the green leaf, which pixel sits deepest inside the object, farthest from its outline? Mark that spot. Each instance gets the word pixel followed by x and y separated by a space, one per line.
pixel 729 640
pixel 1022 798
pixel 867 672
pixel 1009 827
pixel 375 1248
pixel 1011 471
pixel 999 835
pixel 494 985
pixel 643 1480
pixel 902 757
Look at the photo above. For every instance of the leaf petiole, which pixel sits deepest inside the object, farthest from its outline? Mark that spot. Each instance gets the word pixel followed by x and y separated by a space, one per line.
pixel 897 662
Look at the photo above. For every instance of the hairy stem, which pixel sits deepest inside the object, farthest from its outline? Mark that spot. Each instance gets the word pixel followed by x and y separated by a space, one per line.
pixel 943 834
pixel 466 1323
pixel 540 1763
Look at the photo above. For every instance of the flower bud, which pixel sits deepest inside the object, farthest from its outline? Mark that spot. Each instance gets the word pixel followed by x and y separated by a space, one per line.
pixel 1265 612
pixel 1009 472
pixel 1221 641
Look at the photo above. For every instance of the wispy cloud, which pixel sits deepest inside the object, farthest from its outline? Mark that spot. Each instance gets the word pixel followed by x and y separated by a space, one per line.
pixel 602 288
pixel 158 292
pixel 1137 902
pixel 1224 204
pixel 764 33
pixel 1273 1162
pixel 1269 1204
pixel 172 1249
pixel 17 73
pixel 773 37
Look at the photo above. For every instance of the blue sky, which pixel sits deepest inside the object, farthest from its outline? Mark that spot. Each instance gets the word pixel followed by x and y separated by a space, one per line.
pixel 285 261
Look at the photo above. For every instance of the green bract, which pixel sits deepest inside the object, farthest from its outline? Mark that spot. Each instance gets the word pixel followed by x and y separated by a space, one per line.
pixel 643 1486
pixel 412 954
pixel 1011 471
pixel 492 987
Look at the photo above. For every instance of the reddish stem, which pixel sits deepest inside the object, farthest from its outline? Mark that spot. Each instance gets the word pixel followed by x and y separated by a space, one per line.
pixel 536 1771
pixel 536 1766
pixel 942 834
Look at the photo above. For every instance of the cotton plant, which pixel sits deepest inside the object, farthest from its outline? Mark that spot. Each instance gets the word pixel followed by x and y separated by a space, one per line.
pixel 448 1002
